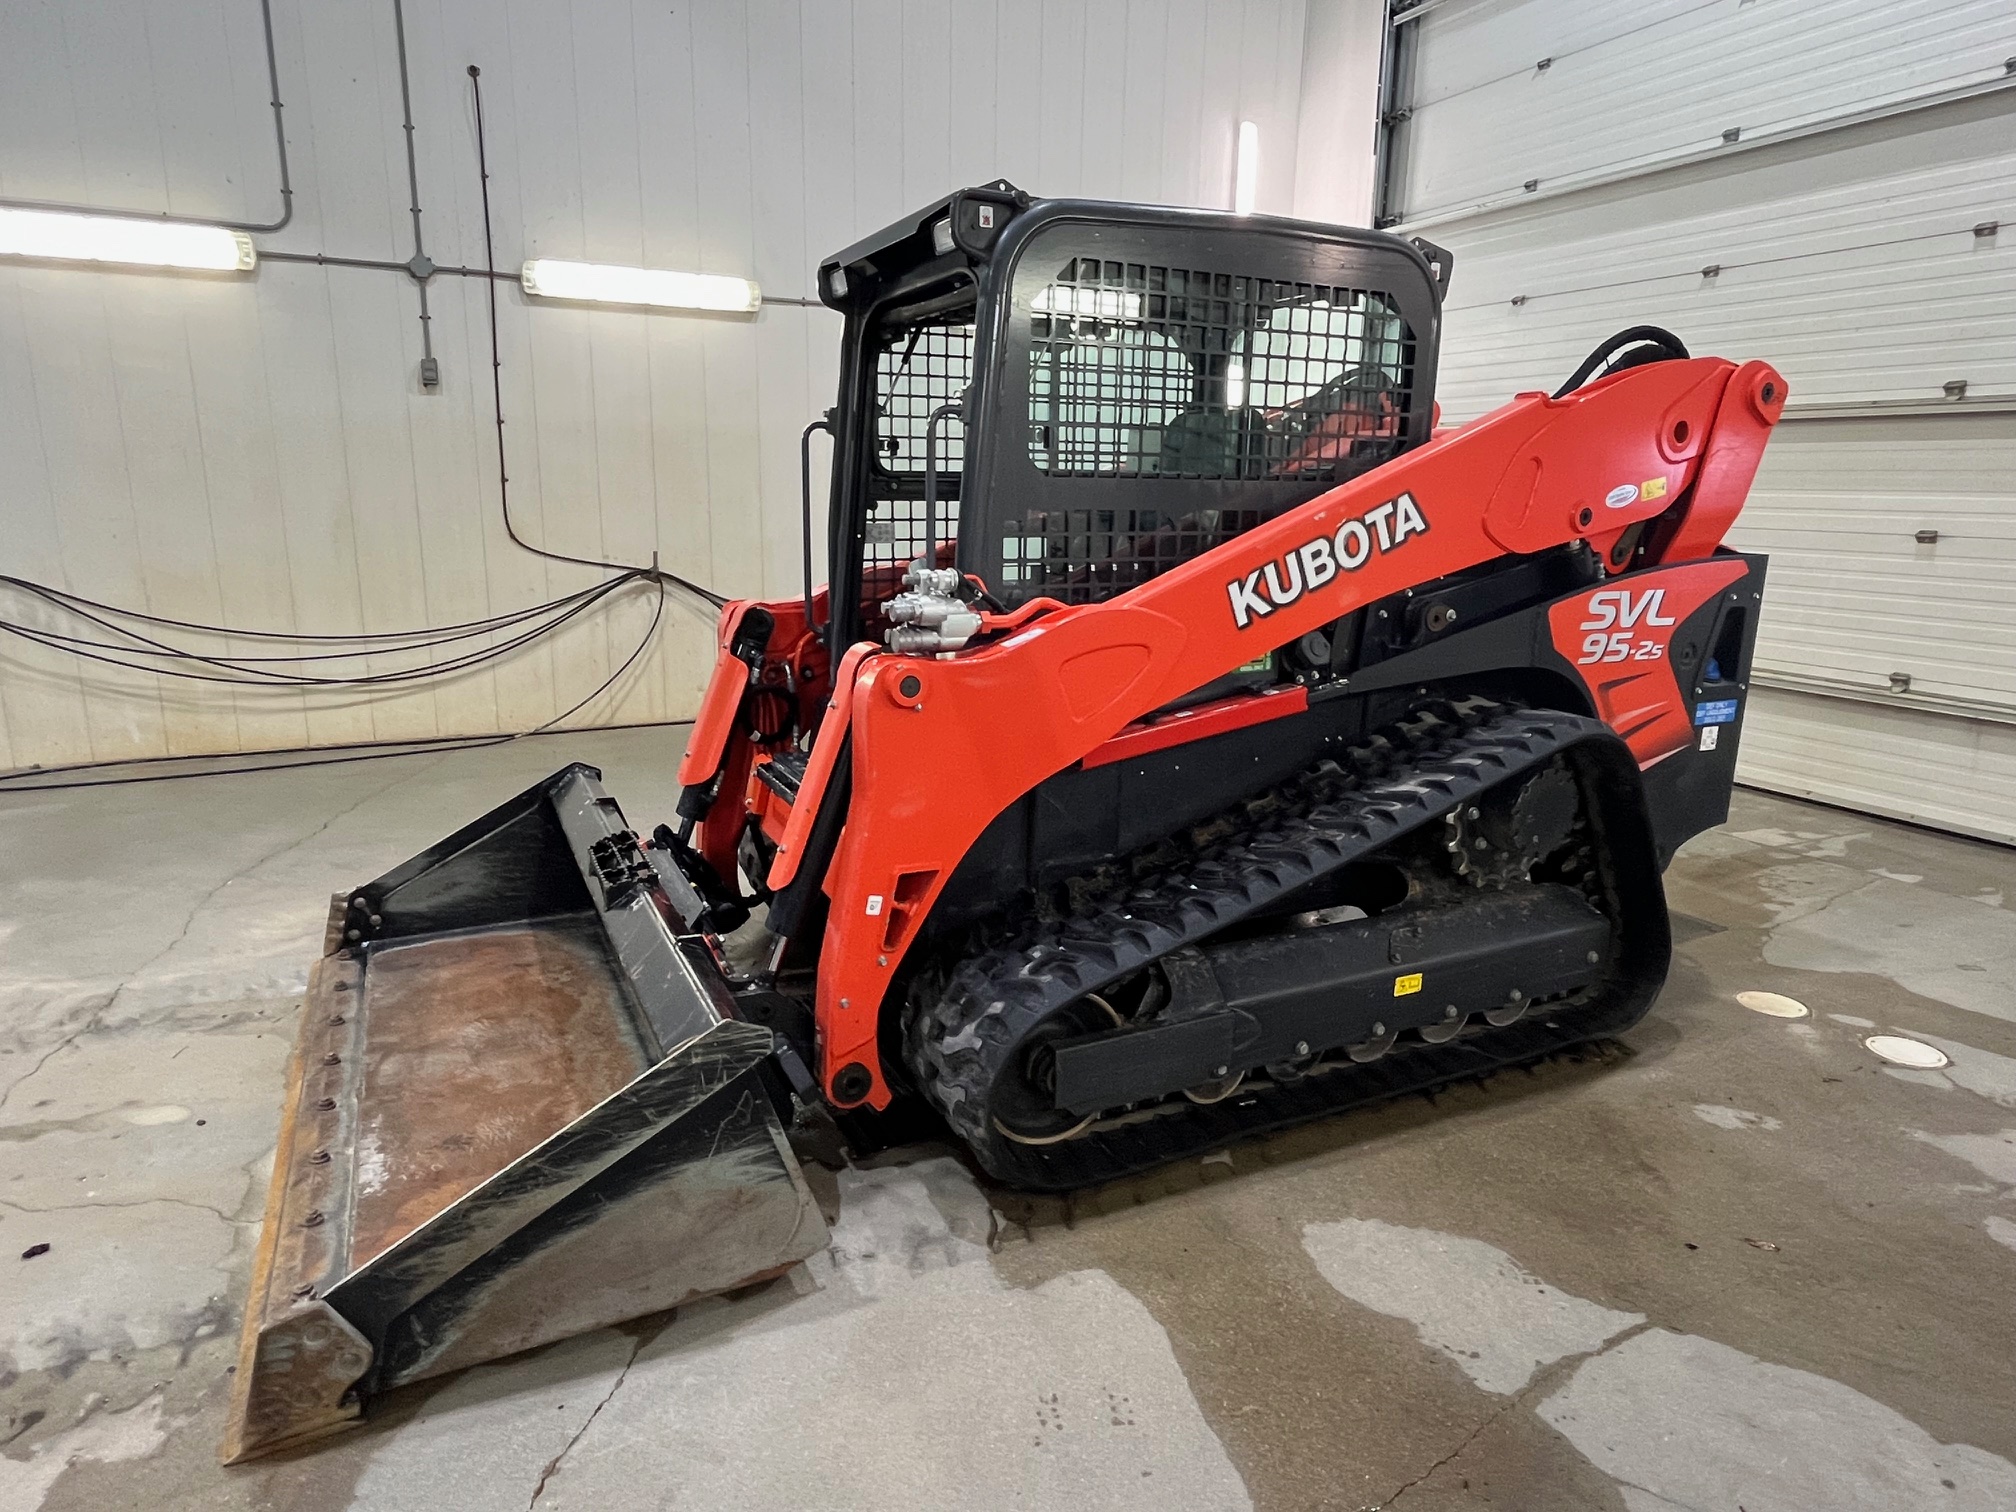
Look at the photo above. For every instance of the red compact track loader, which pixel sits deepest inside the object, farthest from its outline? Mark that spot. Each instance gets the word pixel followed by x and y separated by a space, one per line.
pixel 1191 740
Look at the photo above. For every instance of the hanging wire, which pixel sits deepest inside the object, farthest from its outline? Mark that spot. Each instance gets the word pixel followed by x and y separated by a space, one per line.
pixel 63 595
pixel 497 386
pixel 32 780
pixel 161 656
pixel 420 639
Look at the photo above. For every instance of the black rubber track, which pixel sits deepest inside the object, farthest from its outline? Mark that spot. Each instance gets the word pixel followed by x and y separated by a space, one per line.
pixel 960 1043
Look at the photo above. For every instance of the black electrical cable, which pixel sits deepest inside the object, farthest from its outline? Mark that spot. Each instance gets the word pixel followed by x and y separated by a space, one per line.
pixel 150 647
pixel 497 386
pixel 401 643
pixel 65 598
pixel 27 781
pixel 261 677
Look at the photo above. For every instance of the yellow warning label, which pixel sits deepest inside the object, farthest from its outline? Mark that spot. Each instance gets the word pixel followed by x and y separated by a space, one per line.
pixel 1652 488
pixel 1403 986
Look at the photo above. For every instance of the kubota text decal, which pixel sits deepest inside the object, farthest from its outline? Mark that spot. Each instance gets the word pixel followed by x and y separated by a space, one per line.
pixel 1314 563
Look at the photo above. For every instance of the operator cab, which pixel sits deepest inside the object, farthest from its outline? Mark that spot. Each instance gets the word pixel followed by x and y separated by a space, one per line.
pixel 1239 365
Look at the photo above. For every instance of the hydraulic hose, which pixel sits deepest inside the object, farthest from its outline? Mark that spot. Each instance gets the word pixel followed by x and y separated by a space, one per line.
pixel 1664 344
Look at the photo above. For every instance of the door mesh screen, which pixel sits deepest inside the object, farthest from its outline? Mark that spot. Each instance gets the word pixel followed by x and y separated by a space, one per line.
pixel 1080 556
pixel 1144 371
pixel 1138 371
pixel 918 370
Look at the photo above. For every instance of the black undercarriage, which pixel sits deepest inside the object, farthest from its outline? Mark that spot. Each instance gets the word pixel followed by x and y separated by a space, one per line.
pixel 1473 886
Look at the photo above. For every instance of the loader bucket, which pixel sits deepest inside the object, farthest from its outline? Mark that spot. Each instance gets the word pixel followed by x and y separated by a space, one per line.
pixel 519 1107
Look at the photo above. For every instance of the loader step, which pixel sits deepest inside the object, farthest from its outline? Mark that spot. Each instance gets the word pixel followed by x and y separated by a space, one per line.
pixel 971 1028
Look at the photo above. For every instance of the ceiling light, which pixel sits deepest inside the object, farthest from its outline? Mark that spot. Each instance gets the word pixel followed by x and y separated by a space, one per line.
pixel 1101 304
pixel 1246 178
pixel 606 283
pixel 60 236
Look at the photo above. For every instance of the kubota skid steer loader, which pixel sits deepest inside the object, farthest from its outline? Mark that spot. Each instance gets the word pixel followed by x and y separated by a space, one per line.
pixel 1190 740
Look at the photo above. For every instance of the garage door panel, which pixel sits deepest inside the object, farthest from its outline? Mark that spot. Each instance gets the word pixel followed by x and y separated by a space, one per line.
pixel 1854 596
pixel 1873 186
pixel 1867 352
pixel 1960 773
pixel 1630 86
pixel 1859 525
pixel 1472 43
pixel 1858 273
pixel 1854 600
pixel 1957 463
pixel 1842 665
pixel 1810 634
pixel 1848 258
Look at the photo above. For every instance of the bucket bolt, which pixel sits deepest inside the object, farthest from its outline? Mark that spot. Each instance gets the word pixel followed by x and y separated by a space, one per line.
pixel 364 917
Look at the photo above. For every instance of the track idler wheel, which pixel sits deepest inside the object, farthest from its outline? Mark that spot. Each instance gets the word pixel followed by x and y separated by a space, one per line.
pixel 1451 1025
pixel 1383 1039
pixel 1022 1108
pixel 1215 1091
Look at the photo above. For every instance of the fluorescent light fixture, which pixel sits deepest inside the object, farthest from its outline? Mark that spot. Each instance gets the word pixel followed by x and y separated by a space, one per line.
pixel 1235 383
pixel 606 283
pixel 1246 177
pixel 1100 304
pixel 61 236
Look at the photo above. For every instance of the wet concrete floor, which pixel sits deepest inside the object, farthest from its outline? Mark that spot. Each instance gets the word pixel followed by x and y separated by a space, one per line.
pixel 1736 1262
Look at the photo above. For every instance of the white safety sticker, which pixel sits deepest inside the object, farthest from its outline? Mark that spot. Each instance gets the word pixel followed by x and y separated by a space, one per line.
pixel 1708 736
pixel 874 904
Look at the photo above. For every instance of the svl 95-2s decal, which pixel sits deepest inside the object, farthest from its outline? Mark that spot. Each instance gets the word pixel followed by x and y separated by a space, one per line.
pixel 1620 607
pixel 1620 642
pixel 1309 566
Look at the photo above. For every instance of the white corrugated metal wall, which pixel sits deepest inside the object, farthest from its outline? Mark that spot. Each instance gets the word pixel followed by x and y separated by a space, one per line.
pixel 1828 184
pixel 258 452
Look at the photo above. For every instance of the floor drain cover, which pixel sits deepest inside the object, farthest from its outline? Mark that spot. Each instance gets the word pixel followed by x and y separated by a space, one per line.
pixel 1774 1003
pixel 1900 1051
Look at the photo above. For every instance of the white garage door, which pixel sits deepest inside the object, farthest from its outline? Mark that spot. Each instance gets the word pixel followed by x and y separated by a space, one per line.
pixel 1827 184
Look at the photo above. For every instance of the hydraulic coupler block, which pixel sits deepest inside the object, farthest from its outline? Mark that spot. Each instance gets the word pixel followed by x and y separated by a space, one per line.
pixel 929 616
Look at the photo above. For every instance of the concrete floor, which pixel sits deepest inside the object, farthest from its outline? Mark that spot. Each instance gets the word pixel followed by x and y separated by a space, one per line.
pixel 1739 1263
